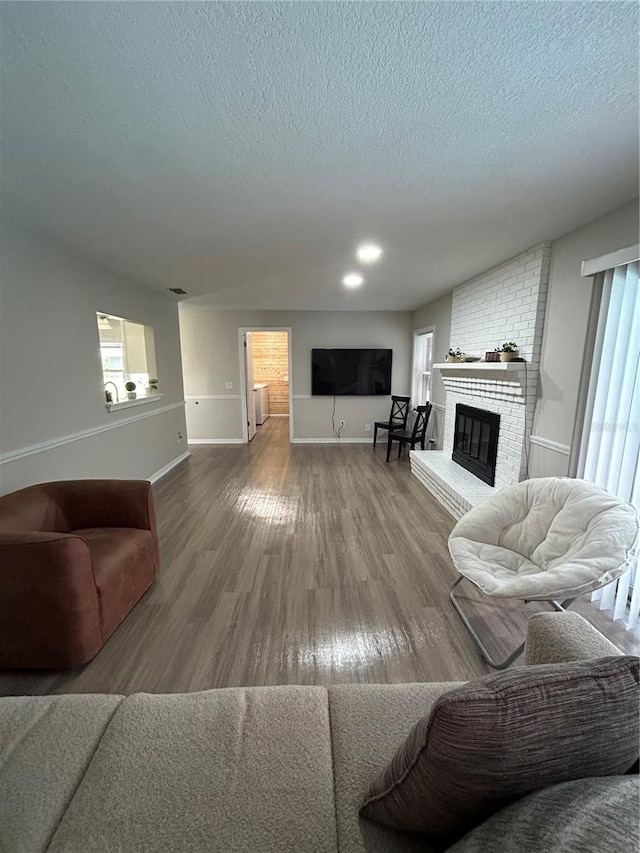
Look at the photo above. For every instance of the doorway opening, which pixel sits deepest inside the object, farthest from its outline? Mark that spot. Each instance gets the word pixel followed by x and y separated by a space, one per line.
pixel 265 378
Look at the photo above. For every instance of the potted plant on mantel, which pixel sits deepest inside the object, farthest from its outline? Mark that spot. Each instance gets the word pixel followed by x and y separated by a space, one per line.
pixel 131 390
pixel 508 351
pixel 454 355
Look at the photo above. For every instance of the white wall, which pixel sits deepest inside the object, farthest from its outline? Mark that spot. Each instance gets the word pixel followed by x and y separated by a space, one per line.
pixel 211 358
pixel 565 330
pixel 51 376
pixel 438 315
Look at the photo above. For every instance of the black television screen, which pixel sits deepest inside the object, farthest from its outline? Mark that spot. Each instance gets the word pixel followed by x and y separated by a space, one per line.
pixel 357 372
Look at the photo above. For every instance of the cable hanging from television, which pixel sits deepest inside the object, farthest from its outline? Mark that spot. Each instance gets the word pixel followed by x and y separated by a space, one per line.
pixel 336 432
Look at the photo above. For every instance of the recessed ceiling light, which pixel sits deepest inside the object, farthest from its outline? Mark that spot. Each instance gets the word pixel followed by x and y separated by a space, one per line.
pixel 368 253
pixel 353 279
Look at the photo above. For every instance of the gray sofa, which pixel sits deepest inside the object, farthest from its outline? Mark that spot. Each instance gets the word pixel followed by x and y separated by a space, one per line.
pixel 252 769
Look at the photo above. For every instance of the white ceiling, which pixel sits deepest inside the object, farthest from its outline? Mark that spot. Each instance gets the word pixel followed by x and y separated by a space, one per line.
pixel 241 150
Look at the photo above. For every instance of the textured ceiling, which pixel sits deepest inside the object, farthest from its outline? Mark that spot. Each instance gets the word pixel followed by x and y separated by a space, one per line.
pixel 241 150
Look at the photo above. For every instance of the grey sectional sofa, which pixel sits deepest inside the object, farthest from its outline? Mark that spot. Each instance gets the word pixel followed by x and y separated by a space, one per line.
pixel 255 769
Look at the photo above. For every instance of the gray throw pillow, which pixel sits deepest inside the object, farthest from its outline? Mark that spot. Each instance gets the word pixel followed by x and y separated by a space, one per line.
pixel 506 735
pixel 597 815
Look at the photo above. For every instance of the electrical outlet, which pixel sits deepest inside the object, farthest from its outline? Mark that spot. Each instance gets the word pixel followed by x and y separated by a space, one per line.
pixel 367 427
pixel 228 386
pixel 341 423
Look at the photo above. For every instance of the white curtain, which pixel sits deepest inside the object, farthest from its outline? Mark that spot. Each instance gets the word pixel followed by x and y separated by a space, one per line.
pixel 610 452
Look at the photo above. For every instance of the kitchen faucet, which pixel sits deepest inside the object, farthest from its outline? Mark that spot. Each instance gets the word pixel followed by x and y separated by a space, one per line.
pixel 116 390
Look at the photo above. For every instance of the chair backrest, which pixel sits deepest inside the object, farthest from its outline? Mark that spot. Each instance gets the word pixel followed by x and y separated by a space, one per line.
pixel 583 534
pixel 399 410
pixel 421 421
pixel 33 509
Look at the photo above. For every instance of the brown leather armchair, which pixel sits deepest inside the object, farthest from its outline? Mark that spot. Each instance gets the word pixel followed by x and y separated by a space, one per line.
pixel 75 557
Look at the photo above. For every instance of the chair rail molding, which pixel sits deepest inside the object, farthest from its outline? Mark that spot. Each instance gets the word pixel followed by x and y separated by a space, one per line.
pixel 212 396
pixel 41 447
pixel 537 440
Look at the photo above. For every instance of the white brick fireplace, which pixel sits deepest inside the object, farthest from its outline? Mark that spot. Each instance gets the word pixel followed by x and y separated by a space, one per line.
pixel 505 304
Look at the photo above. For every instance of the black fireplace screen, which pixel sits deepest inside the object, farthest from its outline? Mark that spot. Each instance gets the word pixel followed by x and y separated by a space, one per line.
pixel 475 441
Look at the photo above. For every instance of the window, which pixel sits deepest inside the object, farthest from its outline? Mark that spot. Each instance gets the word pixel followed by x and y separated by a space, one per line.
pixel 127 350
pixel 422 364
pixel 610 451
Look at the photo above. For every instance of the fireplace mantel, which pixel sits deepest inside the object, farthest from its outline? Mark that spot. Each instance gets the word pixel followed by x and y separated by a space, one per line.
pixel 487 379
pixel 483 366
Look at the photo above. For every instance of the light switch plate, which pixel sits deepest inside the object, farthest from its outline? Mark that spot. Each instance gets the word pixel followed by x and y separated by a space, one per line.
pixel 228 386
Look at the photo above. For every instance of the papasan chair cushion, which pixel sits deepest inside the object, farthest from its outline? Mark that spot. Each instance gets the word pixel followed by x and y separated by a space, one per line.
pixel 546 538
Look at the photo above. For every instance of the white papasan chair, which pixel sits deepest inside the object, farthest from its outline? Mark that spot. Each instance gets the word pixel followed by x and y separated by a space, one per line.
pixel 543 540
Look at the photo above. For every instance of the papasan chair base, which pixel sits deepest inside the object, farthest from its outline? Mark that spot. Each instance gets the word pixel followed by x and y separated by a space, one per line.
pixel 551 540
pixel 559 606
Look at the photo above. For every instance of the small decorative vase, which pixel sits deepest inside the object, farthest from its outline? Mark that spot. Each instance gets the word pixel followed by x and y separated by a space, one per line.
pixel 506 356
pixel 131 395
pixel 452 359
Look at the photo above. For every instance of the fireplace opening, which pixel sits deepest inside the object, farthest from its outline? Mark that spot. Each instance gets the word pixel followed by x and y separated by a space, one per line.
pixel 475 441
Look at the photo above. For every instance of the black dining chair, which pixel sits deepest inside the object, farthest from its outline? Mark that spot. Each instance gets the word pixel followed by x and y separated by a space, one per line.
pixel 397 417
pixel 415 436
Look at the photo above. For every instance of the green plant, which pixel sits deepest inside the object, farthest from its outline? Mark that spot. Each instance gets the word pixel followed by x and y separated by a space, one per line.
pixel 130 386
pixel 509 346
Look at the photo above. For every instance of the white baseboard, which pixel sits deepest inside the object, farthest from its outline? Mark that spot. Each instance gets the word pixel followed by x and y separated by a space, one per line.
pixel 332 440
pixel 157 476
pixel 216 441
pixel 292 441
pixel 550 445
pixel 278 416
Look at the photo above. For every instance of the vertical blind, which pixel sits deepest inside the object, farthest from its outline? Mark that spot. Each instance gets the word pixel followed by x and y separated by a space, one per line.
pixel 610 451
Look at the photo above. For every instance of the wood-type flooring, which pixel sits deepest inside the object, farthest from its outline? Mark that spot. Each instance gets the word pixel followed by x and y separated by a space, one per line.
pixel 296 564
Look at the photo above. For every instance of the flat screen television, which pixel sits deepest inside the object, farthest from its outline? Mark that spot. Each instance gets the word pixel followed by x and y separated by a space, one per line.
pixel 350 372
